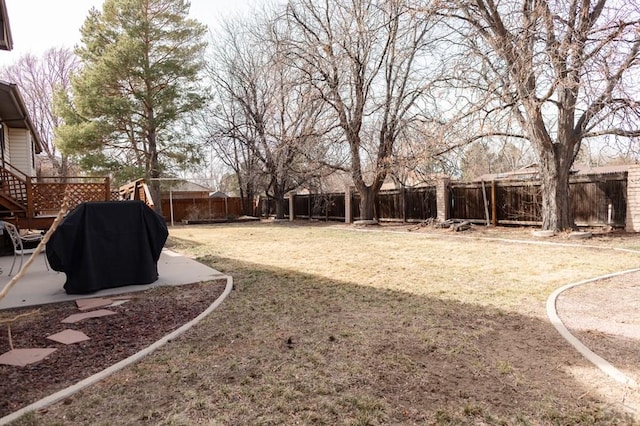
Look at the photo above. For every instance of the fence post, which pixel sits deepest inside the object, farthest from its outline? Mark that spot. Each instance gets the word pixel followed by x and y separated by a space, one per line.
pixel 292 206
pixel 107 189
pixel 30 203
pixel 347 204
pixel 633 200
pixel 494 203
pixel 442 198
pixel 403 203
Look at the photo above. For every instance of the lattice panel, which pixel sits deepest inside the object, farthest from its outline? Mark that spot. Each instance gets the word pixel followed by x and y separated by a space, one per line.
pixel 48 197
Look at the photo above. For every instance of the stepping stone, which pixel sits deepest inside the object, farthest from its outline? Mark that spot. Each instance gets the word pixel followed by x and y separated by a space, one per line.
pixel 119 302
pixel 95 302
pixel 22 357
pixel 72 319
pixel 69 337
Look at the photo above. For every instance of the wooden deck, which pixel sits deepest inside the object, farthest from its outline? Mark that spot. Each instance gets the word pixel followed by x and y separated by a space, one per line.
pixel 33 203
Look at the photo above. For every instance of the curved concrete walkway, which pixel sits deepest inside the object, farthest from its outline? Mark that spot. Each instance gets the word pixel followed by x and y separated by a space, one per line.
pixel 604 365
pixel 594 358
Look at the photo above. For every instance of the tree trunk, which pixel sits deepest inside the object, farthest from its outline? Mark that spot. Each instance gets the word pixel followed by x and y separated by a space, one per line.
pixel 368 197
pixel 153 165
pixel 278 198
pixel 247 205
pixel 154 189
pixel 154 183
pixel 280 207
pixel 556 205
pixel 246 195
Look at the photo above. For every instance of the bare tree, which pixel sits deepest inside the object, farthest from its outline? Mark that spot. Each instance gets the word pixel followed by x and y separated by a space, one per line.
pixel 39 78
pixel 559 71
pixel 266 115
pixel 488 156
pixel 221 134
pixel 367 60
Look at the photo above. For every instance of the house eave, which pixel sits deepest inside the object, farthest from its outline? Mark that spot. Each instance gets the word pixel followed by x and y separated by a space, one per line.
pixel 14 114
pixel 6 40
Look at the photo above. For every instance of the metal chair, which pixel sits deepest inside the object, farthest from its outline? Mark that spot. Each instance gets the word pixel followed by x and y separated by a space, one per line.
pixel 18 241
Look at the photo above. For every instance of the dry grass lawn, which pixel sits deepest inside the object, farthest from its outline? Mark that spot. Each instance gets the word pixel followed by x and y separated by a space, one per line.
pixel 332 325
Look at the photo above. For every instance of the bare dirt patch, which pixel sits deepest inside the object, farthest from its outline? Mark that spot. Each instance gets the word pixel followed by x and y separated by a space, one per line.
pixel 142 320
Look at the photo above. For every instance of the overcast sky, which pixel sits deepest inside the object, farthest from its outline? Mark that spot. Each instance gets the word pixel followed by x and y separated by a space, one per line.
pixel 37 25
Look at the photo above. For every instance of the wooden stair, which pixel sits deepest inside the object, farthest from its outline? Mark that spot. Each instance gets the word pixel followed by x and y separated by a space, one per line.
pixel 13 193
pixel 11 206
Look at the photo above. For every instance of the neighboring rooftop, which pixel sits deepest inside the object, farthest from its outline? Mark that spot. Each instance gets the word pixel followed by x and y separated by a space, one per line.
pixel 218 194
pixel 186 186
pixel 531 171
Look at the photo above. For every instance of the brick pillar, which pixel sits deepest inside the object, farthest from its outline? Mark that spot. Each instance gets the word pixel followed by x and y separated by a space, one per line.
pixel 442 198
pixel 633 200
pixel 292 206
pixel 347 205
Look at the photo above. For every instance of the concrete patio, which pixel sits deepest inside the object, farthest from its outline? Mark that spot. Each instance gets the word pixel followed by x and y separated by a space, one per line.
pixel 41 286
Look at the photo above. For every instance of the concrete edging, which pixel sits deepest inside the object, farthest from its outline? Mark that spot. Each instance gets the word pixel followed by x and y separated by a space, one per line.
pixel 594 358
pixel 67 392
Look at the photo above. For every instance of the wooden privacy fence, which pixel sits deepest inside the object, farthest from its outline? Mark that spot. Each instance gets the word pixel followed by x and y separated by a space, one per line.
pixel 201 208
pixel 320 206
pixel 405 204
pixel 595 200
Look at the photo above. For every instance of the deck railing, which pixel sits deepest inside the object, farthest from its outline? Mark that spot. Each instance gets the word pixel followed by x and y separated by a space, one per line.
pixel 46 194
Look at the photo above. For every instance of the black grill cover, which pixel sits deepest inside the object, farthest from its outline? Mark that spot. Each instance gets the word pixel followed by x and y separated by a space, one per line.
pixel 108 244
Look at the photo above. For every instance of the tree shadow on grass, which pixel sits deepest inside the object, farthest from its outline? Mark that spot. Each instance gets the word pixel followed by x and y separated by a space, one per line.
pixel 292 348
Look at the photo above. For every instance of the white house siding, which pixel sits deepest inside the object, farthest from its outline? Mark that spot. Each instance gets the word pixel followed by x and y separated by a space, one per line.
pixel 19 153
pixel 7 154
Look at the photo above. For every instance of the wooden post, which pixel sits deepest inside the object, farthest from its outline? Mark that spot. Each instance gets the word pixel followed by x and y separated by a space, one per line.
pixel 494 204
pixel 486 203
pixel 30 204
pixel 107 189
pixel 347 205
pixel 326 208
pixel 171 204
pixel 403 203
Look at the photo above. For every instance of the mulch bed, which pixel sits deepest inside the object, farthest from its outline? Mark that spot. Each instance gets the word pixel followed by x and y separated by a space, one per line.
pixel 144 319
